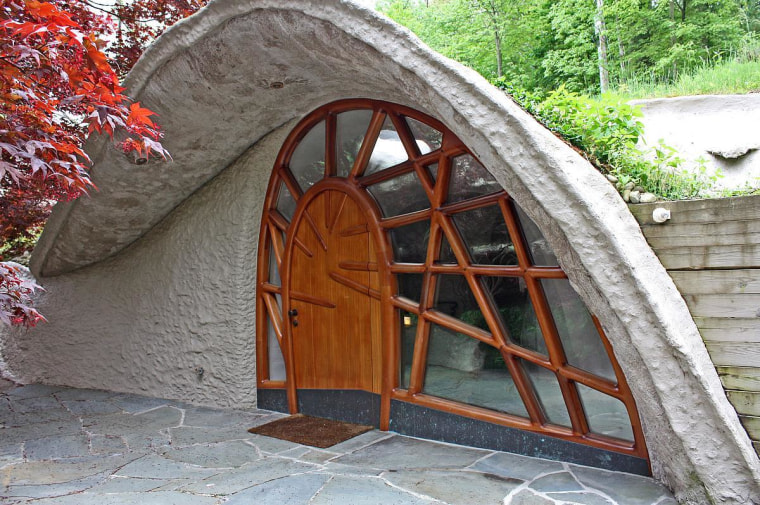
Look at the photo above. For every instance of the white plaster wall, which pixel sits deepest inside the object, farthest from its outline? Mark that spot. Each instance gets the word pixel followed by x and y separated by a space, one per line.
pixel 180 298
pixel 209 78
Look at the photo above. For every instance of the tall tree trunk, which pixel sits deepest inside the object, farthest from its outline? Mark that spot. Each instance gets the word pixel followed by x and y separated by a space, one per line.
pixel 499 63
pixel 600 30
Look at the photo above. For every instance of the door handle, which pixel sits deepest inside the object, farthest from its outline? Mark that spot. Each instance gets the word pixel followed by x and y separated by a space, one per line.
pixel 293 312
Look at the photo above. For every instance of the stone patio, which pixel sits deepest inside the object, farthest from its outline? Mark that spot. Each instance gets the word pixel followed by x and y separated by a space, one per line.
pixel 84 447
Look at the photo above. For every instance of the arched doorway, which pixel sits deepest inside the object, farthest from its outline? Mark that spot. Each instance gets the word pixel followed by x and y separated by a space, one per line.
pixel 452 301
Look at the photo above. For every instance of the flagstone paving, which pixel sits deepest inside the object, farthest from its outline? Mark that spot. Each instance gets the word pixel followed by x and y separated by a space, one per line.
pixel 61 446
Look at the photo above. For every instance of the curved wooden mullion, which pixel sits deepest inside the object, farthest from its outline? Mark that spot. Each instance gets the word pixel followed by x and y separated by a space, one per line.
pixel 402 168
pixel 456 242
pixel 419 358
pixel 266 287
pixel 277 246
pixel 452 323
pixel 524 388
pixel 275 317
pixel 291 183
pixel 545 273
pixel 426 180
pixel 262 344
pixel 441 189
pixel 626 395
pixel 487 308
pixel 405 134
pixel 406 304
pixel 407 268
pixel 368 144
pixel 593 381
pixel 515 233
pixel 404 219
pixel 472 203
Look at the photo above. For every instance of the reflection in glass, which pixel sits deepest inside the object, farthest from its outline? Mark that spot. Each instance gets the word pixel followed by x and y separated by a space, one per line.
pixel 548 392
pixel 410 242
pixel 388 151
pixel 606 415
pixel 274 272
pixel 541 253
pixel 453 297
pixel 512 301
pixel 408 333
pixel 447 256
pixel 308 160
pixel 457 370
pixel 486 237
pixel 428 138
pixel 400 195
pixel 410 286
pixel 276 361
pixel 580 339
pixel 350 131
pixel 286 205
pixel 470 179
pixel 433 169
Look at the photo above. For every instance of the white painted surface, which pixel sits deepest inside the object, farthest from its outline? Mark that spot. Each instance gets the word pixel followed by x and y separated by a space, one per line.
pixel 182 295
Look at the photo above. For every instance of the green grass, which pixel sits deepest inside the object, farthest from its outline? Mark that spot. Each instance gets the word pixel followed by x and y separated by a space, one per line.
pixel 731 77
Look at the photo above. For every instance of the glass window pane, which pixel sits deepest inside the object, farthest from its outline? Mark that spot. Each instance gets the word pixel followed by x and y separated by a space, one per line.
pixel 512 300
pixel 400 195
pixel 433 169
pixel 470 179
pixel 541 253
pixel 548 392
pixel 351 128
pixel 274 272
pixel 486 237
pixel 606 415
pixel 428 138
pixel 308 161
pixel 276 361
pixel 410 286
pixel 388 151
pixel 408 333
pixel 410 242
pixel 454 298
pixel 285 202
pixel 447 253
pixel 456 370
pixel 580 339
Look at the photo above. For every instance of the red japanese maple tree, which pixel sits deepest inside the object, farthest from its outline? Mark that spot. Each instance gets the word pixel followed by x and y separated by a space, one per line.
pixel 57 85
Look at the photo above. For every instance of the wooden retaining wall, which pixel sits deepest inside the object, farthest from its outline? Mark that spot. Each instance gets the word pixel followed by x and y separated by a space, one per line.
pixel 711 249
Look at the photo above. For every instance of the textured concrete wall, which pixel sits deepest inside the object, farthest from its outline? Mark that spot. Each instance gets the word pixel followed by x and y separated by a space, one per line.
pixel 211 80
pixel 179 299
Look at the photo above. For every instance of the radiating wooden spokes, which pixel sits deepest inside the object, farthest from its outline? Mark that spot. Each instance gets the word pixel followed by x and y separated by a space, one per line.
pixel 336 294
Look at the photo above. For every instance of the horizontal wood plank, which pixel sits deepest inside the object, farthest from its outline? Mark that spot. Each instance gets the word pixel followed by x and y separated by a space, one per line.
pixel 701 211
pixel 698 258
pixel 707 236
pixel 734 353
pixel 681 233
pixel 739 378
pixel 741 281
pixel 736 330
pixel 752 425
pixel 725 306
pixel 746 402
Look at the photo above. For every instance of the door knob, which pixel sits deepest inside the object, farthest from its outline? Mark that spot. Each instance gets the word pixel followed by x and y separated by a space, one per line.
pixel 293 312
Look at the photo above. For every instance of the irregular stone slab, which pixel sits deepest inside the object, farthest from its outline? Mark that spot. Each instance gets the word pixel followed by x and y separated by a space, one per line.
pixel 11 452
pixel 517 467
pixel 136 403
pixel 33 391
pixel 153 498
pixel 556 482
pixel 222 455
pixel 84 395
pixel 621 487
pixel 14 419
pixel 397 452
pixel 218 418
pixel 272 445
pixel 156 467
pixel 184 436
pixel 152 421
pixel 147 442
pixel 90 408
pixel 363 491
pixel 581 499
pixel 107 444
pixel 51 490
pixel 67 446
pixel 339 469
pixel 528 497
pixel 60 471
pixel 315 456
pixel 455 487
pixel 360 441
pixel 36 404
pixel 258 472
pixel 117 484
pixel 34 431
pixel 293 490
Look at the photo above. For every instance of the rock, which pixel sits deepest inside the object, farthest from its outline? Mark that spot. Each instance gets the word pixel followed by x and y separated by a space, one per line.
pixel 647 198
pixel 611 178
pixel 639 189
pixel 627 195
pixel 629 186
pixel 635 197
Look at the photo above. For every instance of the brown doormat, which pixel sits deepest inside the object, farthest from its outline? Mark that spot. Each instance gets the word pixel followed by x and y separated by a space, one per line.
pixel 312 431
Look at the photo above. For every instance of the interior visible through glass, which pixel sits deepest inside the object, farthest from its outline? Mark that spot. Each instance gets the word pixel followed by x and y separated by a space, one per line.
pixel 389 150
pixel 308 161
pixel 408 333
pixel 286 205
pixel 276 361
pixel 400 195
pixel 513 305
pixel 548 393
pixel 540 252
pixel 350 130
pixel 428 138
pixel 469 179
pixel 606 415
pixel 485 235
pixel 410 242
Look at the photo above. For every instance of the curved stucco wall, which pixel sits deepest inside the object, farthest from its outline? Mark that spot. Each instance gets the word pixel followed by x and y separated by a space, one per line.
pixel 182 296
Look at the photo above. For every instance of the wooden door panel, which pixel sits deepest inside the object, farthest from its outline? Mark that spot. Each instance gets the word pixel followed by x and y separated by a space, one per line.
pixel 332 289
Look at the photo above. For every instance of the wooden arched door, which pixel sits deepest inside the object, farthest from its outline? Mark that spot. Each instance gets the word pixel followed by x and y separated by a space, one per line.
pixel 332 296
